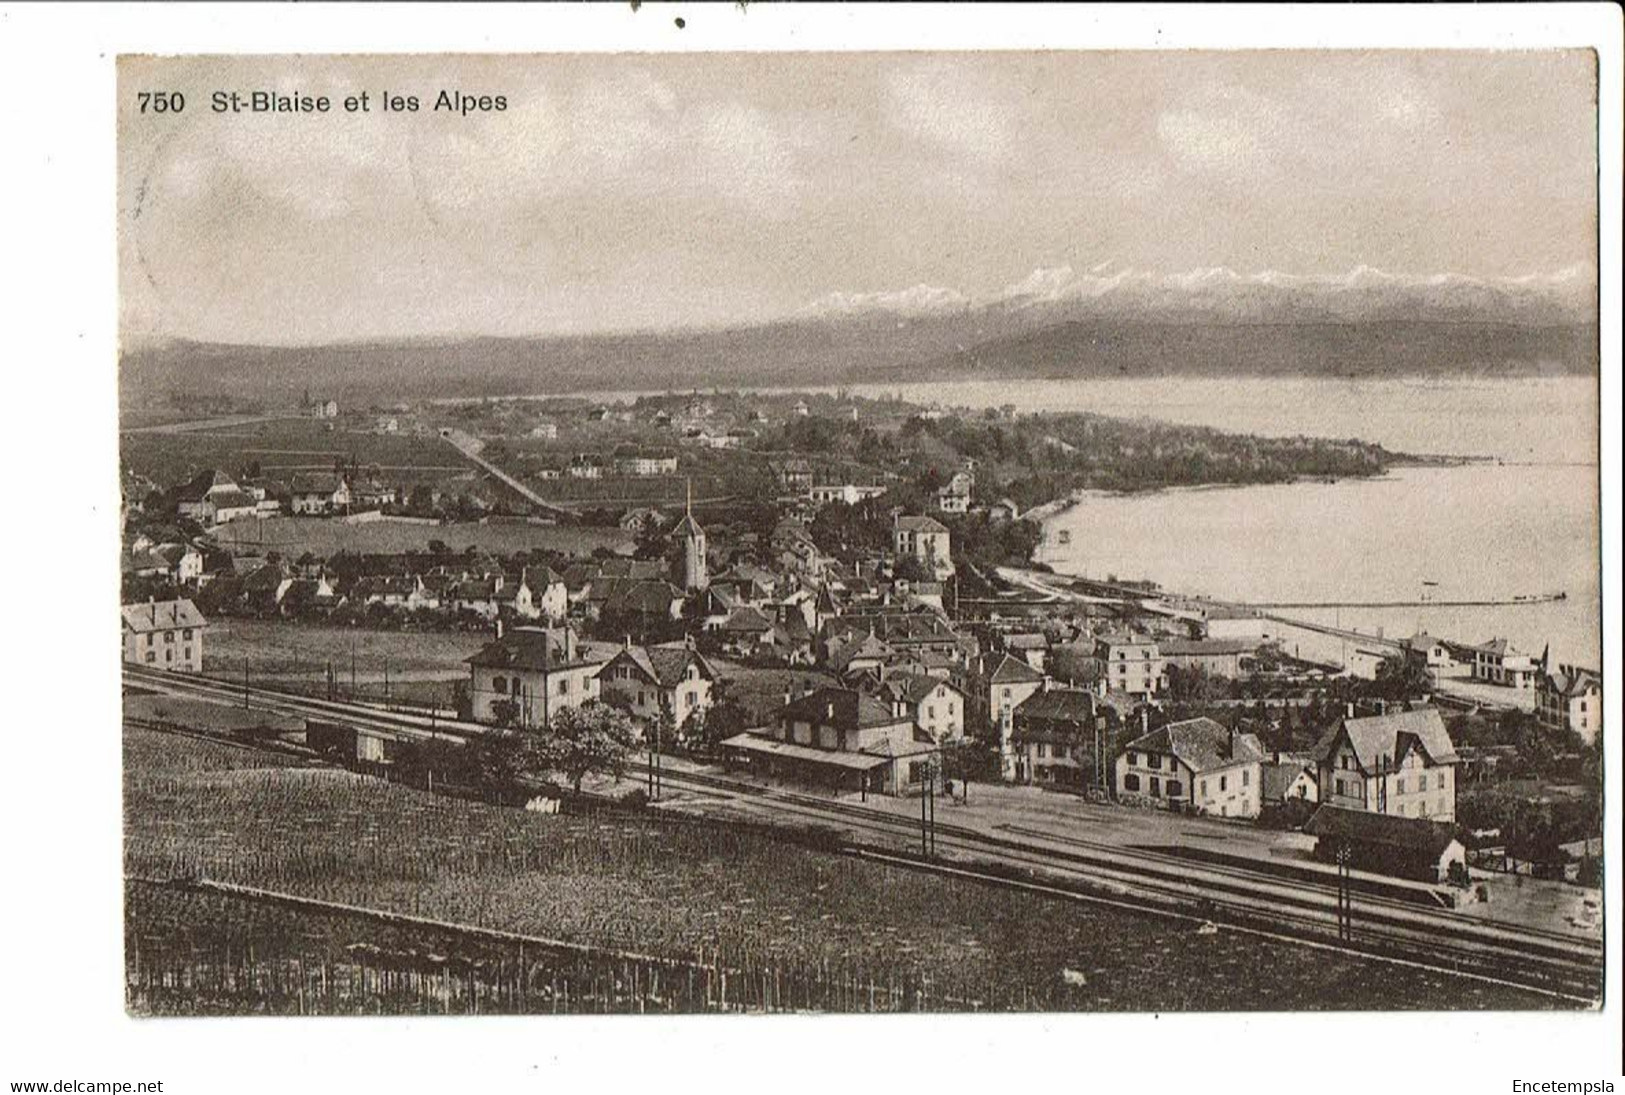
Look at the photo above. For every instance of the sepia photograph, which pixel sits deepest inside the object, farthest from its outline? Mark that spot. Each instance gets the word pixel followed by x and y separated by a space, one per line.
pixel 860 532
pixel 1065 548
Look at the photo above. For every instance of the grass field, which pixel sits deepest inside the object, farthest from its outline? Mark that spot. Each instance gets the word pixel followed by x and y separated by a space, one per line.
pixel 686 890
pixel 285 446
pixel 293 536
pixel 283 649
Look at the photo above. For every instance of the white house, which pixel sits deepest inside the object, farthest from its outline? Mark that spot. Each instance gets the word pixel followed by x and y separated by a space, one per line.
pixel 529 674
pixel 1401 763
pixel 164 635
pixel 1198 763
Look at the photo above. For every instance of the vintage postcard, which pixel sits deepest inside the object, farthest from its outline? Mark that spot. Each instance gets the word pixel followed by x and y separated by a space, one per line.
pixel 852 532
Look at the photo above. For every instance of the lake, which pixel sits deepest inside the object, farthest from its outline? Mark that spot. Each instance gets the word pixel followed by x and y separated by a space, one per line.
pixel 1527 526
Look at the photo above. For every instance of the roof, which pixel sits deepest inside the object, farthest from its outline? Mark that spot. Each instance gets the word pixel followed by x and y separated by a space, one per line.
pixel 1059 705
pixel 1280 776
pixel 915 687
pixel 161 615
pixel 1414 834
pixel 1391 736
pixel 538 649
pixel 747 620
pixel 920 524
pixel 315 483
pixel 1201 744
pixel 766 746
pixel 1012 670
pixel 843 653
pixel 232 499
pixel 1572 684
pixel 843 707
pixel 1210 647
pixel 197 488
pixel 1026 640
pixel 666 665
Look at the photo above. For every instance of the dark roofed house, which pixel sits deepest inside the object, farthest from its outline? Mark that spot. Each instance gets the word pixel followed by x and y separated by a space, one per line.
pixel 1405 847
pixel 529 673
pixel 1400 763
pixel 164 635
pixel 841 739
pixel 670 679
pixel 1196 763
pixel 1058 737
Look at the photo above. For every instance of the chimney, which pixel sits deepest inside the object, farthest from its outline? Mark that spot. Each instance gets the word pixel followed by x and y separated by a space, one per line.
pixel 1230 744
pixel 787 697
pixel 499 627
pixel 626 642
pixel 1351 709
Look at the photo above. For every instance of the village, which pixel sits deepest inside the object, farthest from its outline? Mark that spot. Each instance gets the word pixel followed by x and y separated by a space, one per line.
pixel 861 636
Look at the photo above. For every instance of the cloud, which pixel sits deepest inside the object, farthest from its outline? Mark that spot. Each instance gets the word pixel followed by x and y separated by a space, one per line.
pixel 947 107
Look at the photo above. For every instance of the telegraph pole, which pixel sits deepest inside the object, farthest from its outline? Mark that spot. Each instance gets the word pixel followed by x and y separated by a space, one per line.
pixel 1345 895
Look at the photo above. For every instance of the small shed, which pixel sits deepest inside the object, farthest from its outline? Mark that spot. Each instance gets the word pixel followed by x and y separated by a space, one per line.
pixel 1404 847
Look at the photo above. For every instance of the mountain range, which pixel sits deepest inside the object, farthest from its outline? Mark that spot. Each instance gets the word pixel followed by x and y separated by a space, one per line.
pixel 1053 324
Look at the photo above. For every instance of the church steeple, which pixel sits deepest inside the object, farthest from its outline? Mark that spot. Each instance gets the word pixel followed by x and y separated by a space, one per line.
pixel 694 568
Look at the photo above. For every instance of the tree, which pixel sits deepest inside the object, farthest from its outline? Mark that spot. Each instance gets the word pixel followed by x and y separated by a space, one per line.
pixel 709 727
pixel 1401 678
pixel 1195 685
pixel 505 712
pixel 499 758
pixel 594 737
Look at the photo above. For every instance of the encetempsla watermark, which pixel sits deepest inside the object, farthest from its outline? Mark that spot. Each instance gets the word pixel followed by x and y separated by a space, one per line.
pixel 1562 1087
pixel 91 1087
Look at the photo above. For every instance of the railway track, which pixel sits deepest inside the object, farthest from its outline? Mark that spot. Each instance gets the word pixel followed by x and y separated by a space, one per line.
pixel 1562 965
pixel 1497 956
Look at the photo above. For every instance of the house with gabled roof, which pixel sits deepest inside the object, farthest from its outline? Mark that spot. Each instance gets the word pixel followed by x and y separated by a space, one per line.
pixel 1197 763
pixel 164 635
pixel 319 493
pixel 926 539
pixel 1498 662
pixel 1400 763
pixel 673 679
pixel 840 739
pixel 936 704
pixel 528 673
pixel 1009 685
pixel 1058 737
pixel 1569 699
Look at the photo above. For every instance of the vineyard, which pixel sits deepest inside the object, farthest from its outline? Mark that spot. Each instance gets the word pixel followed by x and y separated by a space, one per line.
pixel 809 929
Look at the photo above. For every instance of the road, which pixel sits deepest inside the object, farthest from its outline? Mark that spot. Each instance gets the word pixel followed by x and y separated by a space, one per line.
pixel 470 447
pixel 209 423
pixel 1155 880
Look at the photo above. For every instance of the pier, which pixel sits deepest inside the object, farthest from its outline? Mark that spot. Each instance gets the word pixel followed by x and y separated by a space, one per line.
pixel 1486 602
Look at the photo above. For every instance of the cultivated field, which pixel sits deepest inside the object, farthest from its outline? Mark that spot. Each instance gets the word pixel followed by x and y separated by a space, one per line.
pixel 293 536
pixel 728 896
pixel 285 446
pixel 276 649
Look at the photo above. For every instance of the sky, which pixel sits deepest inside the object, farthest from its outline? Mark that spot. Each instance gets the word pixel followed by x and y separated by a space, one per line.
pixel 651 191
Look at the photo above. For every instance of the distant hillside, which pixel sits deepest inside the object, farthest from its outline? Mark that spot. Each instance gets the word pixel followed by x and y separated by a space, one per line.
pixel 1404 348
pixel 817 353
